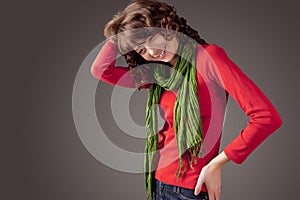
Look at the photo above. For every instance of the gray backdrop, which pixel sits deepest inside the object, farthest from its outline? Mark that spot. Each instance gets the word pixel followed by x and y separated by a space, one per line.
pixel 43 45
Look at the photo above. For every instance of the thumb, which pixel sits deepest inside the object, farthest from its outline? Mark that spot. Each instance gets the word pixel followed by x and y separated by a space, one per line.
pixel 199 185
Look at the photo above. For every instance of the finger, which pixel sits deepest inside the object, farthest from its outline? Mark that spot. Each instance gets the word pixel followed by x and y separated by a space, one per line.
pixel 218 194
pixel 211 195
pixel 198 186
pixel 214 194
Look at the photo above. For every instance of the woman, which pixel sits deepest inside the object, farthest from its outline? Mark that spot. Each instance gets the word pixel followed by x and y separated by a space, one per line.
pixel 190 80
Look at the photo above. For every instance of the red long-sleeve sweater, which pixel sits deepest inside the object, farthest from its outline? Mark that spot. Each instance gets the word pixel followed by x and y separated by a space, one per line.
pixel 217 77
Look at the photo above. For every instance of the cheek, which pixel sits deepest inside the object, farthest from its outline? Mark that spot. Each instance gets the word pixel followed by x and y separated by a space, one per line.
pixel 146 57
pixel 158 40
pixel 172 48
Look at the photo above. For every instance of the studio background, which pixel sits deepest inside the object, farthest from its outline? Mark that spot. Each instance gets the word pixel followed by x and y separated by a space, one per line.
pixel 43 46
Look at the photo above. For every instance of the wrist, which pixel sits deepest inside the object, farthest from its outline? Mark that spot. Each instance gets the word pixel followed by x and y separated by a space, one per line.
pixel 218 161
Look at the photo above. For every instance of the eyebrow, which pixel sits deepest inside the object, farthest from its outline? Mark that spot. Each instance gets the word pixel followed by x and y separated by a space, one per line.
pixel 139 47
pixel 151 37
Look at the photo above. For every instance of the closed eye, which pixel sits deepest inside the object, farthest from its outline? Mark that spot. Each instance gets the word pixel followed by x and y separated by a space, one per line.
pixel 141 51
pixel 150 38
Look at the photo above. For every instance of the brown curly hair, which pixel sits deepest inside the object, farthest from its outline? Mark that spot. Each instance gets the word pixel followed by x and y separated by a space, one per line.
pixel 132 26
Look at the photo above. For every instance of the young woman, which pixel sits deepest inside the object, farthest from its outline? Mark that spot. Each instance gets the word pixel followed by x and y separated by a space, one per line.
pixel 190 80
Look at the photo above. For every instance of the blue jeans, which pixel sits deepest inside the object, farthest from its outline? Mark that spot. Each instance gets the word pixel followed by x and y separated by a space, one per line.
pixel 164 191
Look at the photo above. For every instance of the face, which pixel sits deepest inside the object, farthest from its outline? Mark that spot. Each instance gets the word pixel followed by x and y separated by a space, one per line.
pixel 157 48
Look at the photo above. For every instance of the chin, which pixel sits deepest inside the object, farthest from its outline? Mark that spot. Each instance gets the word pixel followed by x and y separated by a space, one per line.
pixel 168 58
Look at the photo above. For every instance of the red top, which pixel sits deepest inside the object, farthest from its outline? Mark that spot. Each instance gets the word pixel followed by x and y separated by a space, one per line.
pixel 217 76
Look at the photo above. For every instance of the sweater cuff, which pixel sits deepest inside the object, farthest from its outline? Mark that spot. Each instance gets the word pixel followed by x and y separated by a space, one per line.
pixel 232 156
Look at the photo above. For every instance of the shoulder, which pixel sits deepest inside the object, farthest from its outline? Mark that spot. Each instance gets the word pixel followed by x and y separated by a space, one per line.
pixel 211 61
pixel 212 50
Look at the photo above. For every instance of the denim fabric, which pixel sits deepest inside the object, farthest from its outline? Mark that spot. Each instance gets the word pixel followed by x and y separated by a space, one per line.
pixel 164 191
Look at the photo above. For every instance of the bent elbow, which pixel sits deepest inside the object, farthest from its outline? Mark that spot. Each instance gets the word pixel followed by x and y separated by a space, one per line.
pixel 276 121
pixel 97 71
pixel 270 121
pixel 93 71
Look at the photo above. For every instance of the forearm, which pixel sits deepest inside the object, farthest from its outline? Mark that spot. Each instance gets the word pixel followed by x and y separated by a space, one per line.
pixel 104 67
pixel 263 116
pixel 219 160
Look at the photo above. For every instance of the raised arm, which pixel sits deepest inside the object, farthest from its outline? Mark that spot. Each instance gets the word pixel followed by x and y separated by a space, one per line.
pixel 104 67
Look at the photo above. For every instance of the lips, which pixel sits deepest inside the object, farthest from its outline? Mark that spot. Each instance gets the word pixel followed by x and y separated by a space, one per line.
pixel 163 53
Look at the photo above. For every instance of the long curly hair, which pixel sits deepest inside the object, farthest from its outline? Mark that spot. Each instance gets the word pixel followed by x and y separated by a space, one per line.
pixel 132 26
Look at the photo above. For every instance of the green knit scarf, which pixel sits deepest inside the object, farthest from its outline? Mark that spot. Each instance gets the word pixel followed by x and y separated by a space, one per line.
pixel 187 121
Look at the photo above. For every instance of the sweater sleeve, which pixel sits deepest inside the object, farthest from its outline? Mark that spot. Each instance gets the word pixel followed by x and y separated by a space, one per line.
pixel 104 67
pixel 263 117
